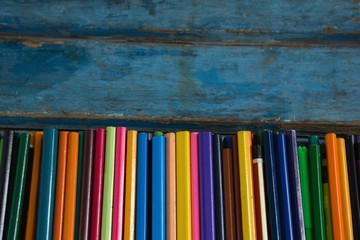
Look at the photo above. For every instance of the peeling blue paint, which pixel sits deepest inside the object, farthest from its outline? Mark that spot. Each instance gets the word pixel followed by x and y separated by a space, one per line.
pixel 245 83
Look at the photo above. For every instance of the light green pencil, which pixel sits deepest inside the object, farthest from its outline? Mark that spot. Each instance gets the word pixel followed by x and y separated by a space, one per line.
pixel 108 192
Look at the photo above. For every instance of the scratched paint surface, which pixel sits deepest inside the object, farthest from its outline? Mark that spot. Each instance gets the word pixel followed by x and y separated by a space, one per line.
pixel 152 18
pixel 162 81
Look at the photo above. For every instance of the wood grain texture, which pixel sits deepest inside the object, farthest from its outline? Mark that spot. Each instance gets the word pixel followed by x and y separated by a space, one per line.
pixel 245 83
pixel 176 20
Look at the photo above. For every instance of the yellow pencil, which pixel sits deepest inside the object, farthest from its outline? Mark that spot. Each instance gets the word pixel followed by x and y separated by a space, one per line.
pixel 345 192
pixel 183 195
pixel 246 186
pixel 130 185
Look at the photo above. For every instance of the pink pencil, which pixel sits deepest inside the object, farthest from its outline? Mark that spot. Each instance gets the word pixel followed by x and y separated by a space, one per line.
pixel 98 184
pixel 195 205
pixel 118 208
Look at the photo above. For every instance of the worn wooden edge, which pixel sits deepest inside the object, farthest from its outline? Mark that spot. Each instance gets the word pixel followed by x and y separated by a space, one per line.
pixel 334 39
pixel 143 123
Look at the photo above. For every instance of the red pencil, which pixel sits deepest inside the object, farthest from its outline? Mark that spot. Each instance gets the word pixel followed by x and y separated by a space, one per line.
pixel 98 183
pixel 119 183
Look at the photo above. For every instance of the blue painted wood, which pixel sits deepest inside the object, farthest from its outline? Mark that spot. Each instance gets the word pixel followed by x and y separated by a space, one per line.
pixel 77 79
pixel 187 19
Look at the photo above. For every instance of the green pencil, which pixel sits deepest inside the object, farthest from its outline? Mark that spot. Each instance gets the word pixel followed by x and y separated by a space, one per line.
pixel 78 184
pixel 108 191
pixel 305 190
pixel 17 202
pixel 316 187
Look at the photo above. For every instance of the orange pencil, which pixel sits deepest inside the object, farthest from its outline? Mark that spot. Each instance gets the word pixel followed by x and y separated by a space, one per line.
pixel 34 188
pixel 335 186
pixel 170 186
pixel 70 191
pixel 130 185
pixel 60 186
pixel 345 192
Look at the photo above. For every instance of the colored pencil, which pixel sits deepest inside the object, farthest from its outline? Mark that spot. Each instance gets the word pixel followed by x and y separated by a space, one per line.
pixel 305 190
pixel 130 187
pixel 70 186
pixel 284 187
pixel 47 185
pixel 207 196
pixel 60 186
pixel 98 184
pixel 19 188
pixel 326 193
pixel 143 200
pixel 184 225
pixel 158 188
pixel 195 195
pixel 108 192
pixel 259 192
pixel 1 148
pixel 229 197
pixel 86 184
pixel 335 186
pixel 294 177
pixel 238 220
pixel 218 188
pixel 5 168
pixel 316 189
pixel 34 188
pixel 170 186
pixel 15 153
pixel 345 192
pixel 272 189
pixel 353 185
pixel 119 183
pixel 79 182
pixel 7 155
pixel 246 186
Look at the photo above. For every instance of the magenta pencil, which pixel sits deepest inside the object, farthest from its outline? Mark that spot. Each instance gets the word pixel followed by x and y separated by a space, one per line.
pixel 98 184
pixel 119 183
pixel 194 168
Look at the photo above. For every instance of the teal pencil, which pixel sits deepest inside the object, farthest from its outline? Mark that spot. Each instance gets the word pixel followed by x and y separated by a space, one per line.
pixel 47 185
pixel 78 184
pixel 19 188
pixel 108 184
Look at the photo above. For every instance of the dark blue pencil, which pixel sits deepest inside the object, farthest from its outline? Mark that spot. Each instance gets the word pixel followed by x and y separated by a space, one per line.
pixel 272 198
pixel 287 227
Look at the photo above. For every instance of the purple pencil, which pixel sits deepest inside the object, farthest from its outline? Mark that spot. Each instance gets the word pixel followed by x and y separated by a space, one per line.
pixel 294 176
pixel 206 172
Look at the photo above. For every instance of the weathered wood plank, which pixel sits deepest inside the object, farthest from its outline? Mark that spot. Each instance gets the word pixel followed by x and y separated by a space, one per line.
pixel 74 79
pixel 189 20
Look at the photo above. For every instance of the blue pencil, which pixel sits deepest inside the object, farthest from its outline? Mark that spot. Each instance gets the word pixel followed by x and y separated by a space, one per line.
pixel 271 186
pixel 294 177
pixel 142 188
pixel 47 185
pixel 284 187
pixel 206 175
pixel 158 188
